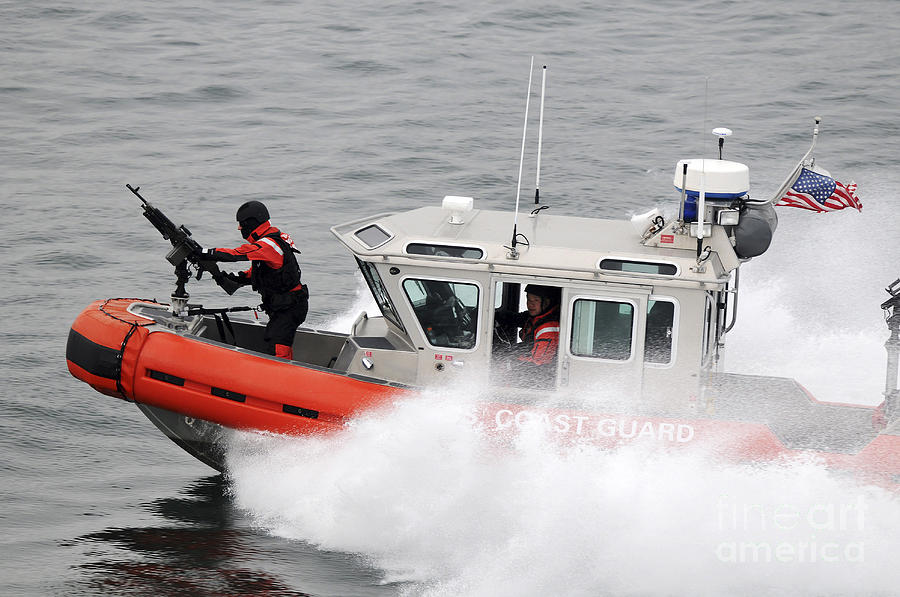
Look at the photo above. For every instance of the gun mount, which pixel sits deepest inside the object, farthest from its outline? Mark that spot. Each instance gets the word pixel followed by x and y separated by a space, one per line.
pixel 185 250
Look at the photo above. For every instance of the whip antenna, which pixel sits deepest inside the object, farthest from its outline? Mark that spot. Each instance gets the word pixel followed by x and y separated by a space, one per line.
pixel 701 200
pixel 537 176
pixel 513 254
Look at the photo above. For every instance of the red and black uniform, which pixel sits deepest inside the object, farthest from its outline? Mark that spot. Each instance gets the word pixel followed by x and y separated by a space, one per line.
pixel 541 332
pixel 539 335
pixel 275 274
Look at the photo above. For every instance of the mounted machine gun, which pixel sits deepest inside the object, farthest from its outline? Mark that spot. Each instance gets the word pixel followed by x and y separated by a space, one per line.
pixel 184 250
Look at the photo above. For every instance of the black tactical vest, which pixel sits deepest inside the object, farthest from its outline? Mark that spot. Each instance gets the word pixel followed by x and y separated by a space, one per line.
pixel 270 282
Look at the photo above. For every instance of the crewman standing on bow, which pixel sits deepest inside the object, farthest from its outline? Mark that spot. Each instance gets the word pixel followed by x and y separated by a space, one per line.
pixel 274 273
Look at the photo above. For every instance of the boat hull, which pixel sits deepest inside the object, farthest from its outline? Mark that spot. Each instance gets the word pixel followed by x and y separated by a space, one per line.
pixel 122 354
pixel 201 439
pixel 195 389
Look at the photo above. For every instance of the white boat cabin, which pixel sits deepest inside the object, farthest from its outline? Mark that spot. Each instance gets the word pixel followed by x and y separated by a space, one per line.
pixel 642 309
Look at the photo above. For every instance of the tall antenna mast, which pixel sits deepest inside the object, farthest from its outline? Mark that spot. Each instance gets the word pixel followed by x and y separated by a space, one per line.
pixel 701 200
pixel 537 176
pixel 513 253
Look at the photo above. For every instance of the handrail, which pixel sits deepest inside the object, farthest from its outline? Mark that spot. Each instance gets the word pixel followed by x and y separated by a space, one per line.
pixel 734 305
pixel 362 317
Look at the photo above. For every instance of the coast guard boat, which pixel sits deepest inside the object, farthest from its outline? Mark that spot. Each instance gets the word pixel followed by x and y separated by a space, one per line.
pixel 645 306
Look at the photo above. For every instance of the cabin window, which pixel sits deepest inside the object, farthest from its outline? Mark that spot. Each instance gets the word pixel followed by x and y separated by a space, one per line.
pixel 602 329
pixel 638 267
pixel 447 311
pixel 372 236
pixel 380 293
pixel 444 251
pixel 498 295
pixel 660 331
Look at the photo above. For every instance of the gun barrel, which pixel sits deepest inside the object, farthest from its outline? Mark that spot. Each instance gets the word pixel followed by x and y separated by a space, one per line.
pixel 184 246
pixel 135 191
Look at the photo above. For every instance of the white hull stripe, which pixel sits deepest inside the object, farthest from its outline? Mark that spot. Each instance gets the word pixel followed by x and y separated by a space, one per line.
pixel 543 331
pixel 272 244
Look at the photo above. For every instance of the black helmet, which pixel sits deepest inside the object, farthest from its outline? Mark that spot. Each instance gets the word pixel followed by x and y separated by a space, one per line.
pixel 253 209
pixel 545 292
pixel 250 215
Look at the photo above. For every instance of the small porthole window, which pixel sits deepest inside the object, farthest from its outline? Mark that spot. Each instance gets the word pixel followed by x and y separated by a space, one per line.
pixel 372 236
pixel 444 251
pixel 638 267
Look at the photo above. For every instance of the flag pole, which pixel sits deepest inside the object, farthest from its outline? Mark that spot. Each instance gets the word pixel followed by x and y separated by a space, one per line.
pixel 795 173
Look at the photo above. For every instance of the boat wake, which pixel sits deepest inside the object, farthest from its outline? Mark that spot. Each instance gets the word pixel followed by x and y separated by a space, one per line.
pixel 835 363
pixel 445 509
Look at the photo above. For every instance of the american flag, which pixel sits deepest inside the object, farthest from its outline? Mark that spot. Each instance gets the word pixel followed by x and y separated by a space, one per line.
pixel 819 192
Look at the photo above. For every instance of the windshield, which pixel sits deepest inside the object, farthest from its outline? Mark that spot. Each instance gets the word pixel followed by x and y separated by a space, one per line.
pixel 380 293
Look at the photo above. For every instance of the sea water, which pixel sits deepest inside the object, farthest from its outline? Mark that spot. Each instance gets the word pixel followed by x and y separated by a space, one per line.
pixel 328 112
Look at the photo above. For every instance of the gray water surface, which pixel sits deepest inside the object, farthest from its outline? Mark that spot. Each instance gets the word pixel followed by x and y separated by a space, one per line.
pixel 331 111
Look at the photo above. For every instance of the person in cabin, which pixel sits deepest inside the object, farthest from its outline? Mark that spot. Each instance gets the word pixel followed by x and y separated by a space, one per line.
pixel 274 273
pixel 539 329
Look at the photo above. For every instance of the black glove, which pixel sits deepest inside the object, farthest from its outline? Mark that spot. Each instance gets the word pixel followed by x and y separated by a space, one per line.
pixel 229 282
pixel 237 278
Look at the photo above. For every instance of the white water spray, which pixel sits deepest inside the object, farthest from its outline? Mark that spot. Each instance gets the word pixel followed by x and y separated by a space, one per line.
pixel 439 504
pixel 810 306
pixel 436 503
pixel 362 301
